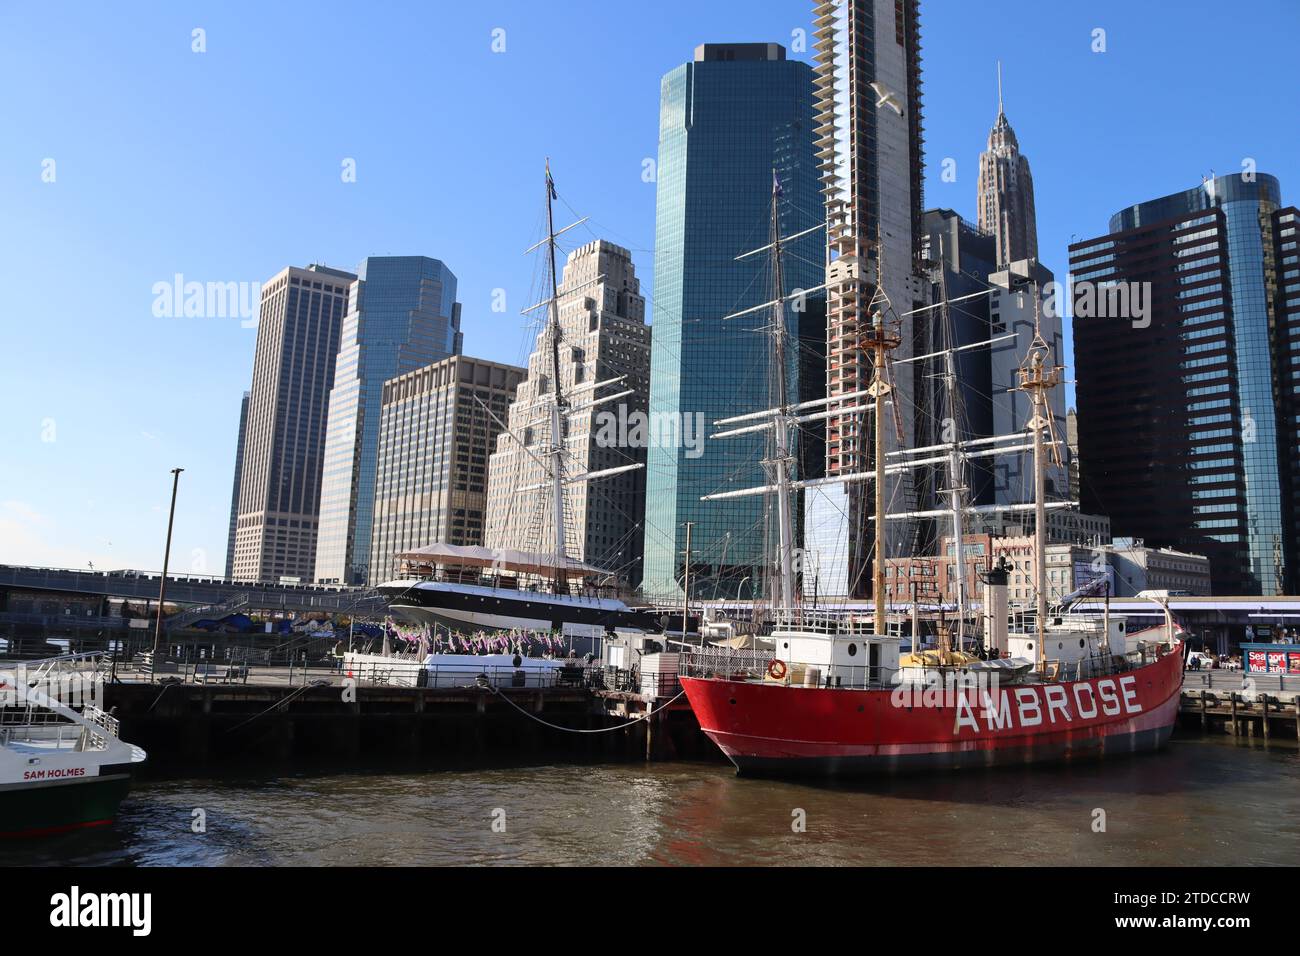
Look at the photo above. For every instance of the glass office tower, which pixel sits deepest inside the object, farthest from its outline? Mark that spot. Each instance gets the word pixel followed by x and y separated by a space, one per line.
pixel 727 121
pixel 1184 436
pixel 402 315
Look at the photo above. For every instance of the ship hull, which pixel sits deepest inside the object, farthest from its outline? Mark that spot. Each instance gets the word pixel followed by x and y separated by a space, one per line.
pixel 470 609
pixel 769 729
pixel 35 810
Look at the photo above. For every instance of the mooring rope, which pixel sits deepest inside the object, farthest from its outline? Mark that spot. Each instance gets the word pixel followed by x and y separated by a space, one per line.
pixel 166 688
pixel 574 730
pixel 280 703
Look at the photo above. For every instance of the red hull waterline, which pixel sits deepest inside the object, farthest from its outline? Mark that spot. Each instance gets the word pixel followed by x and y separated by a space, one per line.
pixel 773 729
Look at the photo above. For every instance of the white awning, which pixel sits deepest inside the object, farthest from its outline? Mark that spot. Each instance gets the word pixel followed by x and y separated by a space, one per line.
pixel 519 562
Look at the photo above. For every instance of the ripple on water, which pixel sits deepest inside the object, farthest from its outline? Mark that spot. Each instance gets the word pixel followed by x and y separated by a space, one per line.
pixel 1204 801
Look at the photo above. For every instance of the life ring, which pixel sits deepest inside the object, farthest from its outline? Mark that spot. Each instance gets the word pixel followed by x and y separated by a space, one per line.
pixel 776 669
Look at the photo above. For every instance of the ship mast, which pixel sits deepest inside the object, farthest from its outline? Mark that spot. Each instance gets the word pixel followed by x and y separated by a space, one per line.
pixel 785 584
pixel 955 460
pixel 556 452
pixel 880 339
pixel 1037 378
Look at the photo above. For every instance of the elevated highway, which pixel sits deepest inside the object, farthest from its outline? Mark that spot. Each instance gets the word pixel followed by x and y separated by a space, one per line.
pixel 197 591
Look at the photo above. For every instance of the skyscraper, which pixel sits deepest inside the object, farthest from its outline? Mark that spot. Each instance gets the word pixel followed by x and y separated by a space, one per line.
pixel 1006 193
pixel 293 370
pixel 234 494
pixel 604 340
pixel 438 425
pixel 986 302
pixel 402 315
pixel 727 121
pixel 1186 324
pixel 872 154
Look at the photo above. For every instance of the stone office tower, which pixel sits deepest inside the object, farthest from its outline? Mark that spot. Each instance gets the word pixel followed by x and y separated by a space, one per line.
pixel 234 494
pixel 437 427
pixel 284 426
pixel 603 338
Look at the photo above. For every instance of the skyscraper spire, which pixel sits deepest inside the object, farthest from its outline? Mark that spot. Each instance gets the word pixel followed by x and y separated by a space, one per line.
pixel 1006 192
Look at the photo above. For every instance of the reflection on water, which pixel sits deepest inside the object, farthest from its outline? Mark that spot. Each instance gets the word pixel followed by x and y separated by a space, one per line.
pixel 1202 802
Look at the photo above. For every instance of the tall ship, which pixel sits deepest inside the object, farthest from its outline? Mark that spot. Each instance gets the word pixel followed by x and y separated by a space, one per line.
pixel 837 695
pixel 474 589
pixel 62 764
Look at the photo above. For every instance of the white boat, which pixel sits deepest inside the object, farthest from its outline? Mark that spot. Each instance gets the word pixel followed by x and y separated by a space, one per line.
pixel 62 764
pixel 450 671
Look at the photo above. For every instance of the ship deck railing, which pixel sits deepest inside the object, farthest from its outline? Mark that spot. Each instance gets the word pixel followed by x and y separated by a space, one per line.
pixel 413 673
pixel 42 732
pixel 752 666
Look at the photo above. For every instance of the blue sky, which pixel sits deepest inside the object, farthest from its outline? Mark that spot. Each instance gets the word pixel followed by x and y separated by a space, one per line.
pixel 225 166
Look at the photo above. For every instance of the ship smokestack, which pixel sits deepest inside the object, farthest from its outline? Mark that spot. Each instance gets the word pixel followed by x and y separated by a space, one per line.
pixel 995 608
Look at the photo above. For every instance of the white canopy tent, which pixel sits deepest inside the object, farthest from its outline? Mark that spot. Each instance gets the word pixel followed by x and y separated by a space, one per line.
pixel 503 560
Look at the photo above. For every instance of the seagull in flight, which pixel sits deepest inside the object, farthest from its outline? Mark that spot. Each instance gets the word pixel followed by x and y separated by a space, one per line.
pixel 888 98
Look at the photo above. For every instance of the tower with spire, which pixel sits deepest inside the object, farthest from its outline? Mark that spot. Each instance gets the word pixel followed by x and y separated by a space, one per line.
pixel 1006 192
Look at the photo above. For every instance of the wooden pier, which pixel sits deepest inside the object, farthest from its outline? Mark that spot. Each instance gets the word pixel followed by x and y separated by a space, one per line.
pixel 1260 715
pixel 193 725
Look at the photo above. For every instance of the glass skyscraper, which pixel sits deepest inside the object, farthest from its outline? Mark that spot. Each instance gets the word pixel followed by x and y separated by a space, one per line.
pixel 1185 434
pixel 728 119
pixel 402 315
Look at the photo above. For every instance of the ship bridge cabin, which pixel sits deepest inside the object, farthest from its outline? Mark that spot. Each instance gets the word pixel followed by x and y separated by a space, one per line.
pixel 836 653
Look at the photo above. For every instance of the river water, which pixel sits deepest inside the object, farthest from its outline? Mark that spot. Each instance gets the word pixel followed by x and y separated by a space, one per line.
pixel 1204 801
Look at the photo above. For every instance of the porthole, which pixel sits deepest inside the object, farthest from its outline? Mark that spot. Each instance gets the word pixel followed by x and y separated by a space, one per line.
pixel 1082 642
pixel 853 650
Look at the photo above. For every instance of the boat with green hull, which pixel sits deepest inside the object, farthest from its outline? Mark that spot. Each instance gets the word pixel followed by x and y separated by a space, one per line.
pixel 63 765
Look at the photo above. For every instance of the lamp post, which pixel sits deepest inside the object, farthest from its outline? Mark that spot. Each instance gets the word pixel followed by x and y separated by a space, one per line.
pixel 162 585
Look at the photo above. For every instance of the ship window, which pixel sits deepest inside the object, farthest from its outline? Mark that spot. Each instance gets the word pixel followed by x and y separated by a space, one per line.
pixel 853 650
